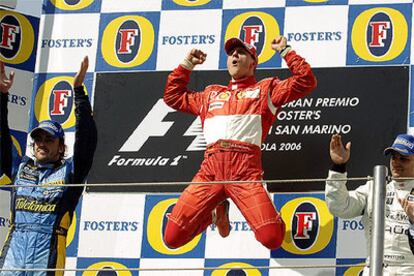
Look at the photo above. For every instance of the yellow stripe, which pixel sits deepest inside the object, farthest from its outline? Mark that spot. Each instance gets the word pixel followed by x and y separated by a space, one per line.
pixel 65 221
pixel 61 244
pixel 61 254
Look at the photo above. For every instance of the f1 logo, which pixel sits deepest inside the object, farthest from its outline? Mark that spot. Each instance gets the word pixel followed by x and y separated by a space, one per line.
pixel 60 101
pixel 127 40
pixel 153 126
pixel 252 33
pixel 304 224
pixel 379 33
pixel 8 35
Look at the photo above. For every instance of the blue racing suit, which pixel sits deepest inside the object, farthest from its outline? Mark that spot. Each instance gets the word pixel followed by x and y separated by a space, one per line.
pixel 41 216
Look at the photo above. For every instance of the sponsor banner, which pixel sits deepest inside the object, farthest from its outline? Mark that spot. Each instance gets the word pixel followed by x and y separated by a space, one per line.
pixel 237 4
pixel 33 8
pixel 379 34
pixel 110 265
pixel 310 227
pixel 302 271
pixel 54 98
pixel 241 243
pixel 351 270
pixel 191 4
pixel 132 154
pixel 71 6
pixel 232 266
pixel 20 99
pixel 70 264
pixel 348 101
pixel 119 220
pixel 4 215
pixel 315 2
pixel 351 229
pixel 157 208
pixel 306 211
pixel 63 51
pixel 370 2
pixel 127 41
pixel 257 27
pixel 173 264
pixel 155 143
pixel 72 239
pixel 325 30
pixel 18 39
pixel 130 6
pixel 174 43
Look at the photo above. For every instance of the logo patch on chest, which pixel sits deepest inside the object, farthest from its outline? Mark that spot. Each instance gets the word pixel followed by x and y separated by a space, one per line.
pixel 248 94
pixel 223 96
pixel 215 105
pixel 29 173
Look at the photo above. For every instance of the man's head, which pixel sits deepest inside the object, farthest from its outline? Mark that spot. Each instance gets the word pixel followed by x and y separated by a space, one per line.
pixel 402 156
pixel 48 142
pixel 241 58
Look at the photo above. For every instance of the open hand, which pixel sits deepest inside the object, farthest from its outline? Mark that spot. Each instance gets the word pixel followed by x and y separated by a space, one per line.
pixel 339 153
pixel 80 76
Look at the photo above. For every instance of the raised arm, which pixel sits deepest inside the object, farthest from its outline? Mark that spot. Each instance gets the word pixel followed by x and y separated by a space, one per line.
pixel 176 93
pixel 302 81
pixel 5 138
pixel 340 201
pixel 86 133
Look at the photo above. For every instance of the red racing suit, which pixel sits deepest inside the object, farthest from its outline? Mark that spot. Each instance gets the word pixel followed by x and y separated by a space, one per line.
pixel 235 119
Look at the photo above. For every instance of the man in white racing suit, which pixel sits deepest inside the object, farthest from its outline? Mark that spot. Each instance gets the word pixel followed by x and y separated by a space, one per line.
pixel 399 202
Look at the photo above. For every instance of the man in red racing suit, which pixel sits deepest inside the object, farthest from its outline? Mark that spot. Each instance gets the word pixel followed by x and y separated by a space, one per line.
pixel 235 119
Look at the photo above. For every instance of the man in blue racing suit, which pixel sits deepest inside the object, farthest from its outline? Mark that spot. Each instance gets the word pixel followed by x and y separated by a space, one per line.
pixel 41 207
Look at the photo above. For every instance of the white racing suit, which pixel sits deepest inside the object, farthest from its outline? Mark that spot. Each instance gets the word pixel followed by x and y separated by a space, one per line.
pixel 344 204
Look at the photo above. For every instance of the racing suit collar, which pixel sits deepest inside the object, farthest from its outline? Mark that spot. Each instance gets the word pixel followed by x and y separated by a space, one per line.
pixel 49 165
pixel 241 83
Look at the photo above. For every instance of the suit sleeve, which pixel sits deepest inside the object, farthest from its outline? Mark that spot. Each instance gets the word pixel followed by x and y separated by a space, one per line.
pixel 178 96
pixel 340 201
pixel 5 143
pixel 85 136
pixel 300 84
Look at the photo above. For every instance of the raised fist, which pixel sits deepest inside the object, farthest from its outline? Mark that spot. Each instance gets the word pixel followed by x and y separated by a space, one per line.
pixel 279 43
pixel 196 56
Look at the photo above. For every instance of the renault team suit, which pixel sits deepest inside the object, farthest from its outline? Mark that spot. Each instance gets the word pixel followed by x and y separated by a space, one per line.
pixel 41 216
pixel 235 120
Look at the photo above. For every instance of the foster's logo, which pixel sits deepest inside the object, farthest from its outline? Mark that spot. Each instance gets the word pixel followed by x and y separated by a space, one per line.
pixel 305 225
pixel 157 212
pixel 380 35
pixel 256 28
pixel 54 101
pixel 128 41
pixel 233 268
pixel 309 225
pixel 71 5
pixel 17 37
